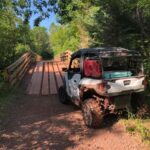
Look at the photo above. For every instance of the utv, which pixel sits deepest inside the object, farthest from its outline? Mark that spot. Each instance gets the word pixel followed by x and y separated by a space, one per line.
pixel 103 81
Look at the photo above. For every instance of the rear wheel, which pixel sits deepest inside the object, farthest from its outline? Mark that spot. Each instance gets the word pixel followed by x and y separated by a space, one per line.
pixel 63 97
pixel 92 113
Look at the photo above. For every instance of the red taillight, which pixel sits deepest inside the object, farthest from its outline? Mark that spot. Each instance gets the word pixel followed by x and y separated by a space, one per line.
pixel 92 68
pixel 145 83
pixel 101 87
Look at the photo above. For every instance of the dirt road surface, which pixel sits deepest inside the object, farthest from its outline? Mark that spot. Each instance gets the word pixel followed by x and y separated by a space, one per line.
pixel 44 123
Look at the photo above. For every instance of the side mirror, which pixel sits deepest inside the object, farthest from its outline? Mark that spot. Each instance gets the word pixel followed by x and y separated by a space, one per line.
pixel 65 69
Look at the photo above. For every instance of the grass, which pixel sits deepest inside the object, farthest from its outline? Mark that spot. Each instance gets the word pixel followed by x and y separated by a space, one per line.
pixel 6 98
pixel 139 126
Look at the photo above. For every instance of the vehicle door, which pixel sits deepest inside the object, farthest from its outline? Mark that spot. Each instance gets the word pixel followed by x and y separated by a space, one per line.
pixel 74 77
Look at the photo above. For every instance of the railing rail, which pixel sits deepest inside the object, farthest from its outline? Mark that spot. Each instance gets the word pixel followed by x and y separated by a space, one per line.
pixel 14 73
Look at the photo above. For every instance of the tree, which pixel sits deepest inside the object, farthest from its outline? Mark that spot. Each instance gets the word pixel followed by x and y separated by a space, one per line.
pixel 40 41
pixel 64 37
pixel 79 13
pixel 123 23
pixel 8 36
pixel 26 8
pixel 120 23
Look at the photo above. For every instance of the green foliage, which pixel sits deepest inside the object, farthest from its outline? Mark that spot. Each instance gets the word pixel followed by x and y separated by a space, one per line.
pixel 21 48
pixel 8 37
pixel 6 97
pixel 110 22
pixel 64 37
pixel 81 14
pixel 76 11
pixel 26 8
pixel 121 23
pixel 40 40
pixel 138 126
pixel 16 36
pixel 84 23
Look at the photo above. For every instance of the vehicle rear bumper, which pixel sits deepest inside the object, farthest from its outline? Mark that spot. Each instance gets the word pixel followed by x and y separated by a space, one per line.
pixel 124 92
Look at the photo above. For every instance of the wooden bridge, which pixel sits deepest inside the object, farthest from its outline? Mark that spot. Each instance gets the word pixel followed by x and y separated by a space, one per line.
pixel 47 76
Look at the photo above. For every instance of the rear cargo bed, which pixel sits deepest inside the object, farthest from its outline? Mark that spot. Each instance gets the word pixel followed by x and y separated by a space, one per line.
pixel 116 74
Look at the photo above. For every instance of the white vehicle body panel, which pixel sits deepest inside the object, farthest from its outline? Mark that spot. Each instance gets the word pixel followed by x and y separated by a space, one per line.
pixel 87 81
pixel 72 85
pixel 118 86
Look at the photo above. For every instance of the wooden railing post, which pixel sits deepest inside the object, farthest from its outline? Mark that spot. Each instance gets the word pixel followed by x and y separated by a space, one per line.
pixel 65 56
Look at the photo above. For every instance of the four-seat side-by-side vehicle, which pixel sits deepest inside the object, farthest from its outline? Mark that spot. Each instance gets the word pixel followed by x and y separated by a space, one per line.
pixel 103 81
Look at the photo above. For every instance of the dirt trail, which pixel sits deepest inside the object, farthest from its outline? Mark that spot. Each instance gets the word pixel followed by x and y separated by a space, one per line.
pixel 42 122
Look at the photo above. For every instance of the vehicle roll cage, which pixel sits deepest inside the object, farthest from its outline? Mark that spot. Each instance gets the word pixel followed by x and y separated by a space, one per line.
pixel 102 53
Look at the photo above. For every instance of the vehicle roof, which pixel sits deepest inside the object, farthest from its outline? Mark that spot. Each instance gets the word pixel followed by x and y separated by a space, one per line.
pixel 107 52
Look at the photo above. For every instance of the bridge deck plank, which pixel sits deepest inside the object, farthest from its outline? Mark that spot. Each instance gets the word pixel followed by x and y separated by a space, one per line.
pixel 53 87
pixel 33 80
pixel 46 79
pixel 38 80
pixel 45 83
pixel 60 66
pixel 58 76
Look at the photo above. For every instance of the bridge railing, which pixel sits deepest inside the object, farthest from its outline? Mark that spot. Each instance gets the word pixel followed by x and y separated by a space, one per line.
pixel 14 73
pixel 66 56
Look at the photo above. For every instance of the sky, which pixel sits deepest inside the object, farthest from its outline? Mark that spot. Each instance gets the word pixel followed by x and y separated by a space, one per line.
pixel 45 23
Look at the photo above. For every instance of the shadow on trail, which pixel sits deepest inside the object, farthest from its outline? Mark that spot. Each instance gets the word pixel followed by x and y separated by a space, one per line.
pixel 43 122
pixel 109 120
pixel 56 132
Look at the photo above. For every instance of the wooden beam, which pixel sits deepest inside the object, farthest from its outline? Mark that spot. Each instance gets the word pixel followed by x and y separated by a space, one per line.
pixel 58 76
pixel 36 79
pixel 60 66
pixel 13 66
pixel 45 83
pixel 53 88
